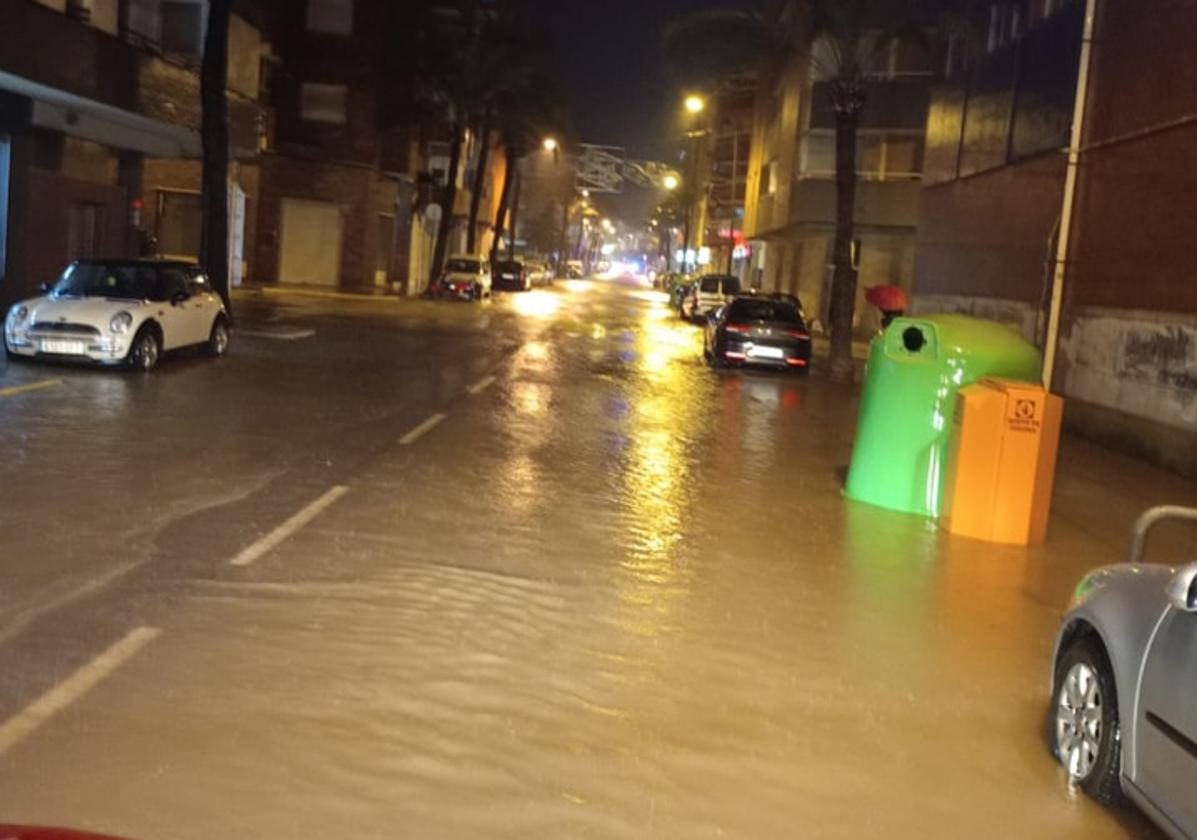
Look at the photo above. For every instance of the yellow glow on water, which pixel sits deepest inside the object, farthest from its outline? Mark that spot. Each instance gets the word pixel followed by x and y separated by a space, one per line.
pixel 577 286
pixel 652 296
pixel 536 304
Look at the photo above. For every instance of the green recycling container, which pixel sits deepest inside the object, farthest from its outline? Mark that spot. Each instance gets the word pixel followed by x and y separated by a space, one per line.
pixel 915 368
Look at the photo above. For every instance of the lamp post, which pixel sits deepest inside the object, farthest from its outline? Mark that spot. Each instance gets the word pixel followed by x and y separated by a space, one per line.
pixel 695 105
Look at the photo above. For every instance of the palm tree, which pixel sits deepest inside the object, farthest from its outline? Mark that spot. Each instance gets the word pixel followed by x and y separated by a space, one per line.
pixel 844 40
pixel 214 135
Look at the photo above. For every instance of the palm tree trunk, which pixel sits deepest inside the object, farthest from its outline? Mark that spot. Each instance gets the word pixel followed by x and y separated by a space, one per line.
pixel 450 198
pixel 843 286
pixel 214 136
pixel 479 182
pixel 512 229
pixel 504 202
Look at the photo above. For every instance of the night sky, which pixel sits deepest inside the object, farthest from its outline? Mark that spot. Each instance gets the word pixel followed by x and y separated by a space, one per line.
pixel 607 54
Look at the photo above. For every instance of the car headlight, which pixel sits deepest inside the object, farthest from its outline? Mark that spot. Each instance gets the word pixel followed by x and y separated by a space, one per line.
pixel 120 323
pixel 17 315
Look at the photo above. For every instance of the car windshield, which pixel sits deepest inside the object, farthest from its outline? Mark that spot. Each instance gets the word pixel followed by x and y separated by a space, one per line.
pixel 464 266
pixel 746 309
pixel 105 280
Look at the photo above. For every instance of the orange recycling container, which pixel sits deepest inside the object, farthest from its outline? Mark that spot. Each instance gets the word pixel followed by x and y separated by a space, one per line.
pixel 1002 462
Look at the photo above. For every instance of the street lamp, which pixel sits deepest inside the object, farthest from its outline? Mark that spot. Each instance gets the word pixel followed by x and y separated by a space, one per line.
pixel 695 104
pixel 671 182
pixel 550 144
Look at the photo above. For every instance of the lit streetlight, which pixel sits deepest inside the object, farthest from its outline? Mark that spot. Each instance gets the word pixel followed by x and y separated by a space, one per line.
pixel 695 104
pixel 671 182
pixel 550 144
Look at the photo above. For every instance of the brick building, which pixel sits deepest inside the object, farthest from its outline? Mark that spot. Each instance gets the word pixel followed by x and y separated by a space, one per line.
pixel 995 192
pixel 352 169
pixel 99 116
pixel 790 198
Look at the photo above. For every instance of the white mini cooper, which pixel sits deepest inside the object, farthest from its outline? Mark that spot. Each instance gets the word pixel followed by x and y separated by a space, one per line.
pixel 119 312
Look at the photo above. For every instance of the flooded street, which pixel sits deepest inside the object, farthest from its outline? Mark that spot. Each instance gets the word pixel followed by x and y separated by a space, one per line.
pixel 512 570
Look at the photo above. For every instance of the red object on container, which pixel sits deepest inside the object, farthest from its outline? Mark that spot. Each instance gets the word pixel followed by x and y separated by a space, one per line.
pixel 25 832
pixel 887 298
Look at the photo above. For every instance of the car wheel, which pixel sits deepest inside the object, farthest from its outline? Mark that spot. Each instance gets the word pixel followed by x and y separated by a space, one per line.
pixel 146 350
pixel 1086 738
pixel 218 339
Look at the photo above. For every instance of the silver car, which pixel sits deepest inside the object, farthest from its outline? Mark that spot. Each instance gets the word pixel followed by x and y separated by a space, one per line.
pixel 1124 684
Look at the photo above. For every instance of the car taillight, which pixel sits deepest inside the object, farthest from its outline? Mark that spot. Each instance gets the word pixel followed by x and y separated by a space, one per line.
pixel 798 333
pixel 796 362
pixel 737 328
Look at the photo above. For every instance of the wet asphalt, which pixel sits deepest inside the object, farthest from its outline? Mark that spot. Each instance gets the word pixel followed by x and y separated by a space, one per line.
pixel 524 568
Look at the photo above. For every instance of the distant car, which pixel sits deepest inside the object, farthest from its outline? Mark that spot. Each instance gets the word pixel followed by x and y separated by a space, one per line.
pixel 679 291
pixel 574 269
pixel 512 275
pixel 539 273
pixel 465 277
pixel 1124 684
pixel 708 293
pixel 117 312
pixel 764 330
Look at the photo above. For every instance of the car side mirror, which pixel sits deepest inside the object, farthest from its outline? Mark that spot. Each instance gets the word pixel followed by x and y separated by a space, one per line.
pixel 179 297
pixel 1182 589
pixel 45 288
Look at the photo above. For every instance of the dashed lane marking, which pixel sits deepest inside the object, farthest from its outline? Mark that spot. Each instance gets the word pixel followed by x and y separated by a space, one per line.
pixel 279 534
pixel 277 335
pixel 26 722
pixel 422 429
pixel 14 390
pixel 481 385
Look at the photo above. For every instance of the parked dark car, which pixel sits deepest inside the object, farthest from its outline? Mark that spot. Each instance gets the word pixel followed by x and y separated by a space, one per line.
pixel 765 330
pixel 512 276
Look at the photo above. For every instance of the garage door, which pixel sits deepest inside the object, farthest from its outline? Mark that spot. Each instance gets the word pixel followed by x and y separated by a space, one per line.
pixel 311 243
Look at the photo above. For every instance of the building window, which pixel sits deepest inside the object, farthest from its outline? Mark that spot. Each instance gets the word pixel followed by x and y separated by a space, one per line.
pixel 1005 25
pixel 182 29
pixel 332 16
pixel 324 103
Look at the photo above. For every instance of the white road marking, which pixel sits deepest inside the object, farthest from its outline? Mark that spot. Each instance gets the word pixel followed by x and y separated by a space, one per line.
pixel 279 534
pixel 26 721
pixel 32 386
pixel 279 335
pixel 481 385
pixel 422 429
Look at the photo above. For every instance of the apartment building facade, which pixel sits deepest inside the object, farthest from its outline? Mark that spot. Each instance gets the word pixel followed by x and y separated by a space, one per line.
pixel 995 196
pixel 790 195
pixel 99 116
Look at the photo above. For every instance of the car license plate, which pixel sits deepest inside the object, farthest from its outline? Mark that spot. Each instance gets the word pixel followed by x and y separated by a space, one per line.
pixel 767 352
pixel 70 348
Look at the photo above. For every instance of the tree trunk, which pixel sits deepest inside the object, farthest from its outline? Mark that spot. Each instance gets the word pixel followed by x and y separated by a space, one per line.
pixel 561 271
pixel 515 212
pixel 479 182
pixel 449 199
pixel 504 200
pixel 214 135
pixel 843 286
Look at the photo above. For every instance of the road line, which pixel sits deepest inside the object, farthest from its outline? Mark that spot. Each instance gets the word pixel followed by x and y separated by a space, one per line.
pixel 481 385
pixel 32 386
pixel 279 534
pixel 25 722
pixel 422 429
pixel 282 335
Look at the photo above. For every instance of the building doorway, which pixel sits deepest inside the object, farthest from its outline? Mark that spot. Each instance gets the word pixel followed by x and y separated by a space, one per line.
pixel 310 242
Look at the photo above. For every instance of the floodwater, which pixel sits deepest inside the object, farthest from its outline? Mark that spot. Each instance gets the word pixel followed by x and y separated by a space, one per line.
pixel 611 595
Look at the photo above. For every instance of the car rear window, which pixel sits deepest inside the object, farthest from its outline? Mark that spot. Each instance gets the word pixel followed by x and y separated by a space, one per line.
pixel 780 311
pixel 509 266
pixel 731 285
pixel 464 266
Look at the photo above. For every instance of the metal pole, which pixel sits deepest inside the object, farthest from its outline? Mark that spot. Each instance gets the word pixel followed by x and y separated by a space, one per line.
pixel 1074 160
pixel 731 225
